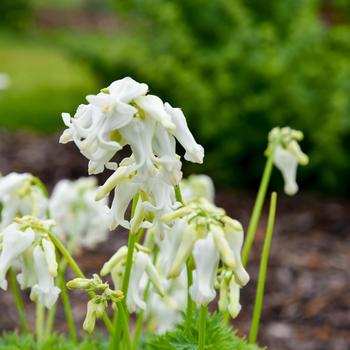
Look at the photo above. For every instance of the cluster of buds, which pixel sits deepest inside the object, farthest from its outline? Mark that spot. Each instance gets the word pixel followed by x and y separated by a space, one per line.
pixel 142 271
pixel 286 155
pixel 81 221
pixel 124 114
pixel 22 194
pixel 206 233
pixel 102 295
pixel 26 244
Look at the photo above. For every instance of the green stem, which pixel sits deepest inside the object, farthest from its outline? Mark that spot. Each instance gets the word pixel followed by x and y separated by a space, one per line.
pixel 262 271
pixel 18 301
pixel 259 202
pixel 66 306
pixel 39 322
pixel 202 327
pixel 50 320
pixel 189 300
pixel 178 195
pixel 123 312
pixel 77 271
pixel 132 239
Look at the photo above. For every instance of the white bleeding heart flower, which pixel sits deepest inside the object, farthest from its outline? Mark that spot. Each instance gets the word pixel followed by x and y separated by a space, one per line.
pixel 206 258
pixel 197 186
pixel 81 221
pixel 15 243
pixel 20 194
pixel 44 291
pixel 286 155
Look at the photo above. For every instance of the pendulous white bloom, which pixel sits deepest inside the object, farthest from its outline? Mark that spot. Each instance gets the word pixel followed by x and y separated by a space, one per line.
pixel 21 194
pixel 123 114
pixel 81 221
pixel 142 266
pixel 287 155
pixel 14 243
pixel 203 231
pixel 25 243
pixel 196 187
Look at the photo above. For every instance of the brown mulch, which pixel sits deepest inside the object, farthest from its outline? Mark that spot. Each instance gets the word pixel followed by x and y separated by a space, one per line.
pixel 307 297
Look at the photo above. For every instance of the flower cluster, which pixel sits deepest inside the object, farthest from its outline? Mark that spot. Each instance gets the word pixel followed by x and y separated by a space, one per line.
pixel 81 221
pixel 142 271
pixel 98 304
pixel 286 155
pixel 124 114
pixel 205 232
pixel 26 246
pixel 22 194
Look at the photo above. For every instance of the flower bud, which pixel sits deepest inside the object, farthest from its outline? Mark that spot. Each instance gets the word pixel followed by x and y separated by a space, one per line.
pixel 114 260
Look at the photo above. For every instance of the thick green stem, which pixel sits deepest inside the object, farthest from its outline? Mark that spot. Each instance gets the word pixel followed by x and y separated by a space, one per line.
pixel 178 195
pixel 39 322
pixel 18 301
pixel 77 271
pixel 67 307
pixel 50 320
pixel 189 300
pixel 125 285
pixel 254 329
pixel 123 312
pixel 202 327
pixel 259 202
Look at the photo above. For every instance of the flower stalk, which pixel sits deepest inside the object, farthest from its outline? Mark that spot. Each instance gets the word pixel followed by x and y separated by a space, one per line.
pixel 18 301
pixel 202 327
pixel 254 329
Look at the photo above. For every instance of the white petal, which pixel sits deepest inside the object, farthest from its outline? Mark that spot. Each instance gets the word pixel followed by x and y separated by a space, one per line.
pixel 44 291
pixel 15 242
pixel 194 151
pixel 154 108
pixel 127 89
pixel 206 258
pixel 287 163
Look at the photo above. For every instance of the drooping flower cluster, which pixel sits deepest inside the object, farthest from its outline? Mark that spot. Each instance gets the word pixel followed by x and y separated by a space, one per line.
pixel 205 232
pixel 99 302
pixel 283 142
pixel 142 270
pixel 26 245
pixel 21 194
pixel 81 221
pixel 124 114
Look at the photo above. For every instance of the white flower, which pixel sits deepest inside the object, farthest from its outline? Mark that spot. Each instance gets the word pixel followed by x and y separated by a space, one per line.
pixel 15 242
pixel 44 290
pixel 286 155
pixel 197 186
pixel 287 163
pixel 123 114
pixel 20 195
pixel 194 151
pixel 206 258
pixel 81 220
pixel 142 265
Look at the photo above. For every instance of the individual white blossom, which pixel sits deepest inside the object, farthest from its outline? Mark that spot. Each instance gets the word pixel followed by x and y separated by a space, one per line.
pixel 287 155
pixel 21 194
pixel 196 187
pixel 124 114
pixel 26 245
pixel 142 266
pixel 81 221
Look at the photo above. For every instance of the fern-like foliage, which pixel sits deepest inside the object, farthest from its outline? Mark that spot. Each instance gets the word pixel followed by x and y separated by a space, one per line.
pixel 219 336
pixel 14 341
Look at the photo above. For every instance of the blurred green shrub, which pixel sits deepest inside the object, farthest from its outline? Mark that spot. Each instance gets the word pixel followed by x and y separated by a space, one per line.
pixel 16 14
pixel 238 68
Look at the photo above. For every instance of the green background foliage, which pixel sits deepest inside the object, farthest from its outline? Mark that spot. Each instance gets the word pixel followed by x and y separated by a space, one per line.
pixel 237 68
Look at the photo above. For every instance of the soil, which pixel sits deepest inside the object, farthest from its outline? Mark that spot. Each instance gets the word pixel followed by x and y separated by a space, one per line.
pixel 307 296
